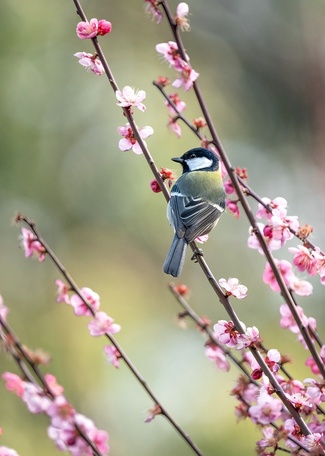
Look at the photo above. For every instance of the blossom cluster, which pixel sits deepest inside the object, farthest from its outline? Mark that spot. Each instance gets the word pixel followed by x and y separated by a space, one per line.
pixel 279 229
pixel 87 30
pixel 258 402
pixel 87 303
pixel 65 422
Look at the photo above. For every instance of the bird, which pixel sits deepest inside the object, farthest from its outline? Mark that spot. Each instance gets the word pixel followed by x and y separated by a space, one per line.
pixel 197 199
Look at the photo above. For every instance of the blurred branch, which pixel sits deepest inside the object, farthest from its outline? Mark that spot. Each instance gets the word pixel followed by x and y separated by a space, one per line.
pixel 122 354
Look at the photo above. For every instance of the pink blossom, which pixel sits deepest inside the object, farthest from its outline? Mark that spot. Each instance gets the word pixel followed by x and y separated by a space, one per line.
pixel 174 127
pixel 278 228
pixel 187 76
pixel 232 207
pixel 249 358
pixel 53 384
pixel 80 307
pixel 64 437
pixel 5 451
pixel 102 324
pixel 312 364
pixel 179 104
pixel 299 400
pixel 315 391
pixel 61 412
pixel 130 97
pixel 100 439
pixel 113 355
pixel 233 287
pixel 314 443
pixel 272 359
pixel 268 409
pixel 181 19
pixel 226 333
pixel 285 269
pixel 248 338
pixel 170 53
pixel 229 188
pixel 217 356
pixel 31 245
pixel 253 242
pixel 278 206
pixel 35 398
pixel 301 287
pixel 13 383
pixel 269 439
pixel 3 310
pixel 62 293
pixel 288 322
pixel 104 27
pixel 129 142
pixel 292 428
pixel 155 187
pixel 87 30
pixel 304 259
pixel 91 62
pixel 151 7
pixel 67 437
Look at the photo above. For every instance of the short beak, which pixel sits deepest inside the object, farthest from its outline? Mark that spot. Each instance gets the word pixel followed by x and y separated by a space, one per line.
pixel 178 159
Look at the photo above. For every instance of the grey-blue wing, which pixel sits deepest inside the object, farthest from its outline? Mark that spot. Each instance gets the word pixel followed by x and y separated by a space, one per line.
pixel 191 217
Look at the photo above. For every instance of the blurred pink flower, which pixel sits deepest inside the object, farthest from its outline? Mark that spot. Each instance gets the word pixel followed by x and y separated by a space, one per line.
pixel 31 245
pixel 268 409
pixel 285 268
pixel 5 451
pixel 13 383
pixel 179 104
pixel 80 308
pixel 218 357
pixel 304 259
pixel 181 19
pixel 62 292
pixel 187 76
pixel 102 324
pixel 151 8
pixel 3 309
pixel 232 207
pixel 112 355
pixel 91 62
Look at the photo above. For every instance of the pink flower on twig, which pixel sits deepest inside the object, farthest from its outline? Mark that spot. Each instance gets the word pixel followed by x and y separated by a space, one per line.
pixel 128 97
pixel 86 30
pixel 91 62
pixel 129 141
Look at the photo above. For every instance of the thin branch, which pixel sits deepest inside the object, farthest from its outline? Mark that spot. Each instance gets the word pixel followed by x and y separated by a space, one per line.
pixel 243 199
pixel 74 287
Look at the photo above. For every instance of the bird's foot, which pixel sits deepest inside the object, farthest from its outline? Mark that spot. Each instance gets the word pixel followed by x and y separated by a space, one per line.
pixel 197 253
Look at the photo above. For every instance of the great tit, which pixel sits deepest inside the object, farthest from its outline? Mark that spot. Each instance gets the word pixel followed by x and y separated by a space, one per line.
pixel 197 200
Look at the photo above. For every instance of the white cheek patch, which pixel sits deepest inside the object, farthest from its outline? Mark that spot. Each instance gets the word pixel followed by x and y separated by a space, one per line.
pixel 198 163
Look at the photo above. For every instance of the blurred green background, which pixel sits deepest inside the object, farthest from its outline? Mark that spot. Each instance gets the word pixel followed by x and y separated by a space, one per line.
pixel 262 71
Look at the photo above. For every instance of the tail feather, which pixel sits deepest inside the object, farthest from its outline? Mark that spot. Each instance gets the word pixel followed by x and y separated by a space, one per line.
pixel 175 259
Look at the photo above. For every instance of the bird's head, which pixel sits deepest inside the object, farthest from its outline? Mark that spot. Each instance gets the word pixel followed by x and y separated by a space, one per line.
pixel 198 159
